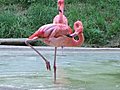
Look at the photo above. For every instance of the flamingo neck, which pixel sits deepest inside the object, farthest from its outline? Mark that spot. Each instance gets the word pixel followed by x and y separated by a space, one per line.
pixel 61 16
pixel 80 41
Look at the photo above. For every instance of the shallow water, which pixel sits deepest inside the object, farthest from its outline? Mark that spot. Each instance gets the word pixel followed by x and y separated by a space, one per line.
pixel 76 70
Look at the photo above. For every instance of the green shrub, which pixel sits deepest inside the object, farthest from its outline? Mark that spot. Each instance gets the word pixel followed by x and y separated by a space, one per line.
pixel 39 15
pixel 7 2
pixel 21 18
pixel 26 3
pixel 8 18
pixel 114 29
pixel 94 36
pixel 12 26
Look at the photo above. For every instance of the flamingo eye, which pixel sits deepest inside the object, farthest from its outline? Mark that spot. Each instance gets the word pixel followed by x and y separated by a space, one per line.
pixel 59 2
pixel 60 10
pixel 77 25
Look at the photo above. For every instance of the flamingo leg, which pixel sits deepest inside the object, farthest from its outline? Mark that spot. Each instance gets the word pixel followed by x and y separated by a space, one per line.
pixel 46 62
pixel 55 65
pixel 62 49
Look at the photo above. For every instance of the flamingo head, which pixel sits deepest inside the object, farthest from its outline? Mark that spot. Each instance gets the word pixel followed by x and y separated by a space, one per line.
pixel 60 5
pixel 78 27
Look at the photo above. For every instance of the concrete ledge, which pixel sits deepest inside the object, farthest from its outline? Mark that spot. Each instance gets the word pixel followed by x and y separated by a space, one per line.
pixel 13 41
pixel 48 48
pixel 21 41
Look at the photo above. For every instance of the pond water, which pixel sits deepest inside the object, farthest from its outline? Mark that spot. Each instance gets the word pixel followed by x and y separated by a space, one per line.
pixel 76 70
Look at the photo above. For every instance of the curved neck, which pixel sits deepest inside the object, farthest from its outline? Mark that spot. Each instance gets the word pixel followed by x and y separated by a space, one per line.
pixel 80 41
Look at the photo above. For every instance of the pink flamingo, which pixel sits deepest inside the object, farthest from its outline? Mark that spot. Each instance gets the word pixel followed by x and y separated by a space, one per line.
pixel 60 18
pixel 66 41
pixel 48 31
pixel 57 35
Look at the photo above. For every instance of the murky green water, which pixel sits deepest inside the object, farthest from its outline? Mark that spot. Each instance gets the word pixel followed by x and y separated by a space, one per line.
pixel 80 70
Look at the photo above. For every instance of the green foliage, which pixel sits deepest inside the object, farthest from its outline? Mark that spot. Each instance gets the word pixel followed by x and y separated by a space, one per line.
pixel 45 2
pixel 6 2
pixel 40 14
pixel 12 25
pixel 101 18
pixel 114 29
pixel 95 36
pixel 7 22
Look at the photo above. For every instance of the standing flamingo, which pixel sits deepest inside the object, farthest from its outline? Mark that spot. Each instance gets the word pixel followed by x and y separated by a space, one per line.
pixel 48 31
pixel 57 35
pixel 59 19
pixel 67 41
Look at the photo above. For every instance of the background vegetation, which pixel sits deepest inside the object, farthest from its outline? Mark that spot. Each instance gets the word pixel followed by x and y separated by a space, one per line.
pixel 101 18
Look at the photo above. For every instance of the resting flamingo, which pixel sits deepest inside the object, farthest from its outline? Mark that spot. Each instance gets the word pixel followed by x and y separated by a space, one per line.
pixel 66 41
pixel 57 35
pixel 48 31
pixel 59 19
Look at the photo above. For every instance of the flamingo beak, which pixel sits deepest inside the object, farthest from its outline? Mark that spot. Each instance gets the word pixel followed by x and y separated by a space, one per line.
pixel 72 35
pixel 59 10
pixel 68 35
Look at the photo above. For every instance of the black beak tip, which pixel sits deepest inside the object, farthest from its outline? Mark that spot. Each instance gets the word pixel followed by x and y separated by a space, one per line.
pixel 60 10
pixel 68 35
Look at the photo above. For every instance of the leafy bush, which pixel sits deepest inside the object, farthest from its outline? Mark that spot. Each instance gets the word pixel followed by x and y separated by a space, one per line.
pixel 11 25
pixel 39 15
pixel 95 36
pixel 45 2
pixel 101 19
pixel 7 2
pixel 114 29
